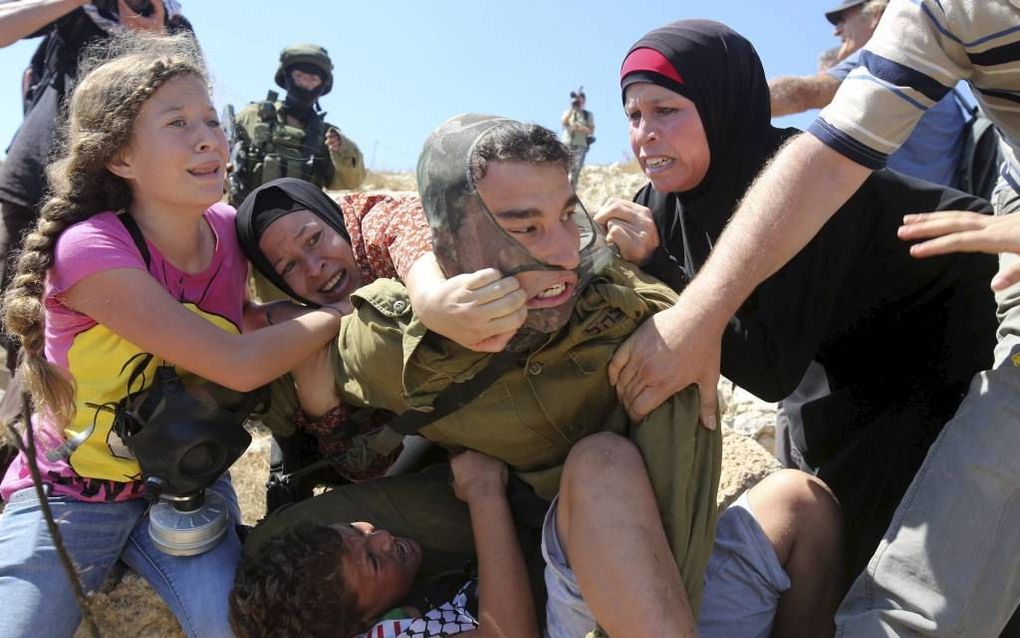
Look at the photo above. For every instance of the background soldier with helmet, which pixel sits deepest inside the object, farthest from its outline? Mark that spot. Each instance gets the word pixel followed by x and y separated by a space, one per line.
pixel 290 138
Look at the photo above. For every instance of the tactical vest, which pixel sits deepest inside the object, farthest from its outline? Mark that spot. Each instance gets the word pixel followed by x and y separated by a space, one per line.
pixel 280 150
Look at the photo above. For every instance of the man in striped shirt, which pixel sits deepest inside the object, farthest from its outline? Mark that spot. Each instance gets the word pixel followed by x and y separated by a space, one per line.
pixel 948 562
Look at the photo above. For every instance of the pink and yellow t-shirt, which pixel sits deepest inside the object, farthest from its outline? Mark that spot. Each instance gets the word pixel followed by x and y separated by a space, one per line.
pixel 101 363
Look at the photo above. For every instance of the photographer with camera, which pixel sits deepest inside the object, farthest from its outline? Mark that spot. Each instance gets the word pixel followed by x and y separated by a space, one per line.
pixel 578 131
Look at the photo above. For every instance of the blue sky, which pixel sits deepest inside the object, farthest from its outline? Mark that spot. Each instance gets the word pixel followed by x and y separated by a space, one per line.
pixel 403 67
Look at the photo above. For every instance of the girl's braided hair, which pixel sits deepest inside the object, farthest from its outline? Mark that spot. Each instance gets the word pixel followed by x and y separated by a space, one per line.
pixel 117 76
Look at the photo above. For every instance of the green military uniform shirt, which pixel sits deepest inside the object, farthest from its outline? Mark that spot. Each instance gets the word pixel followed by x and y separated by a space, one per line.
pixel 534 413
pixel 282 153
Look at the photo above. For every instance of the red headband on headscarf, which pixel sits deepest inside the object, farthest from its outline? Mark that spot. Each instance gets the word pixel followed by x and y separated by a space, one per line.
pixel 649 60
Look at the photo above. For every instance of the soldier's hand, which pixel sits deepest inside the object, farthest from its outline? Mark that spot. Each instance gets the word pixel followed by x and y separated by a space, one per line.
pixel 334 140
pixel 480 310
pixel 477 476
pixel 630 227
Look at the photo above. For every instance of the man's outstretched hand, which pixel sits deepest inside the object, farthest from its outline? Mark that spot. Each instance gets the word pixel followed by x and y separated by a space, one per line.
pixel 666 354
pixel 965 232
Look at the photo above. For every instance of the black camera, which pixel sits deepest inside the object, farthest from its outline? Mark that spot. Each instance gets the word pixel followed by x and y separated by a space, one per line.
pixel 141 7
pixel 576 97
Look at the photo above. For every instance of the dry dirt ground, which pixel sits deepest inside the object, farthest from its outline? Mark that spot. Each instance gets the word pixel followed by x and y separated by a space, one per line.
pixel 128 607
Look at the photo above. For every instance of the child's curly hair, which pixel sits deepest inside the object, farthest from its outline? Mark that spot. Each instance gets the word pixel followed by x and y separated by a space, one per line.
pixel 117 76
pixel 293 586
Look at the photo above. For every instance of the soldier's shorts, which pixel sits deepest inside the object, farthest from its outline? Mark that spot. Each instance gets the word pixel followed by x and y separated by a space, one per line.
pixel 742 584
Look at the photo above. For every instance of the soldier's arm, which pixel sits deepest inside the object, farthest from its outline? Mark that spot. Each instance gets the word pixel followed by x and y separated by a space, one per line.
pixel 349 166
pixel 389 359
pixel 363 367
pixel 283 405
pixel 369 366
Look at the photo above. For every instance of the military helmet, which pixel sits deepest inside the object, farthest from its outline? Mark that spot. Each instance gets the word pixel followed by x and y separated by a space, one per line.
pixel 310 53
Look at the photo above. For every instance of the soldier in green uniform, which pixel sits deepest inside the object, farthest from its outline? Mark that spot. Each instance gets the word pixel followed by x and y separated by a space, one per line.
pixel 290 138
pixel 496 194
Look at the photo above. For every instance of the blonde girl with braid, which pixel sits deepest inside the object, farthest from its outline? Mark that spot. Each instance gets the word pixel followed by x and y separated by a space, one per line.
pixel 142 141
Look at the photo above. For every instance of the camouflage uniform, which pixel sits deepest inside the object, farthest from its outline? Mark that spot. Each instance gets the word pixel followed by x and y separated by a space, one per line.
pixel 271 147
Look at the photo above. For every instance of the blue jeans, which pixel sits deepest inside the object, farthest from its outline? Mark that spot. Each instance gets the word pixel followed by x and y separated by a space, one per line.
pixel 948 563
pixel 37 598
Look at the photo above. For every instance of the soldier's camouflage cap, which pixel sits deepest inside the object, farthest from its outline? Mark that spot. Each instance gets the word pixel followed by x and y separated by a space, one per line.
pixel 466 236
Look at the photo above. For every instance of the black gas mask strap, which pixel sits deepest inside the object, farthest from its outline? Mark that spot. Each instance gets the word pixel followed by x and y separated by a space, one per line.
pixel 136 235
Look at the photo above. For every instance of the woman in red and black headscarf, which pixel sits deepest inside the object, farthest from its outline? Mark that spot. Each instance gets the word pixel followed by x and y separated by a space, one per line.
pixel 899 338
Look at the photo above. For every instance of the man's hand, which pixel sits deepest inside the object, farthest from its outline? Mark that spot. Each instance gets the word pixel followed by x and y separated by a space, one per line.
pixel 132 20
pixel 666 354
pixel 965 232
pixel 481 310
pixel 334 141
pixel 630 227
pixel 478 476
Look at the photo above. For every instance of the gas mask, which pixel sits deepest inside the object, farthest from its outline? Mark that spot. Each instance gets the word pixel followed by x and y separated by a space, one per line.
pixel 184 437
pixel 466 236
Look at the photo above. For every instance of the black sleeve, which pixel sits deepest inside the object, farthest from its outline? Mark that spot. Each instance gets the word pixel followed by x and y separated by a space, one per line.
pixel 663 264
pixel 769 343
pixel 852 269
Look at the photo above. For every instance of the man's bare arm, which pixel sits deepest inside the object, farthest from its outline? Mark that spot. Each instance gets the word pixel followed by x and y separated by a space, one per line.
pixel 784 209
pixel 796 94
pixel 24 17
pixel 505 607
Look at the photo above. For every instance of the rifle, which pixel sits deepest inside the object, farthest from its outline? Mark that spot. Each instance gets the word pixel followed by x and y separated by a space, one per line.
pixel 238 163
